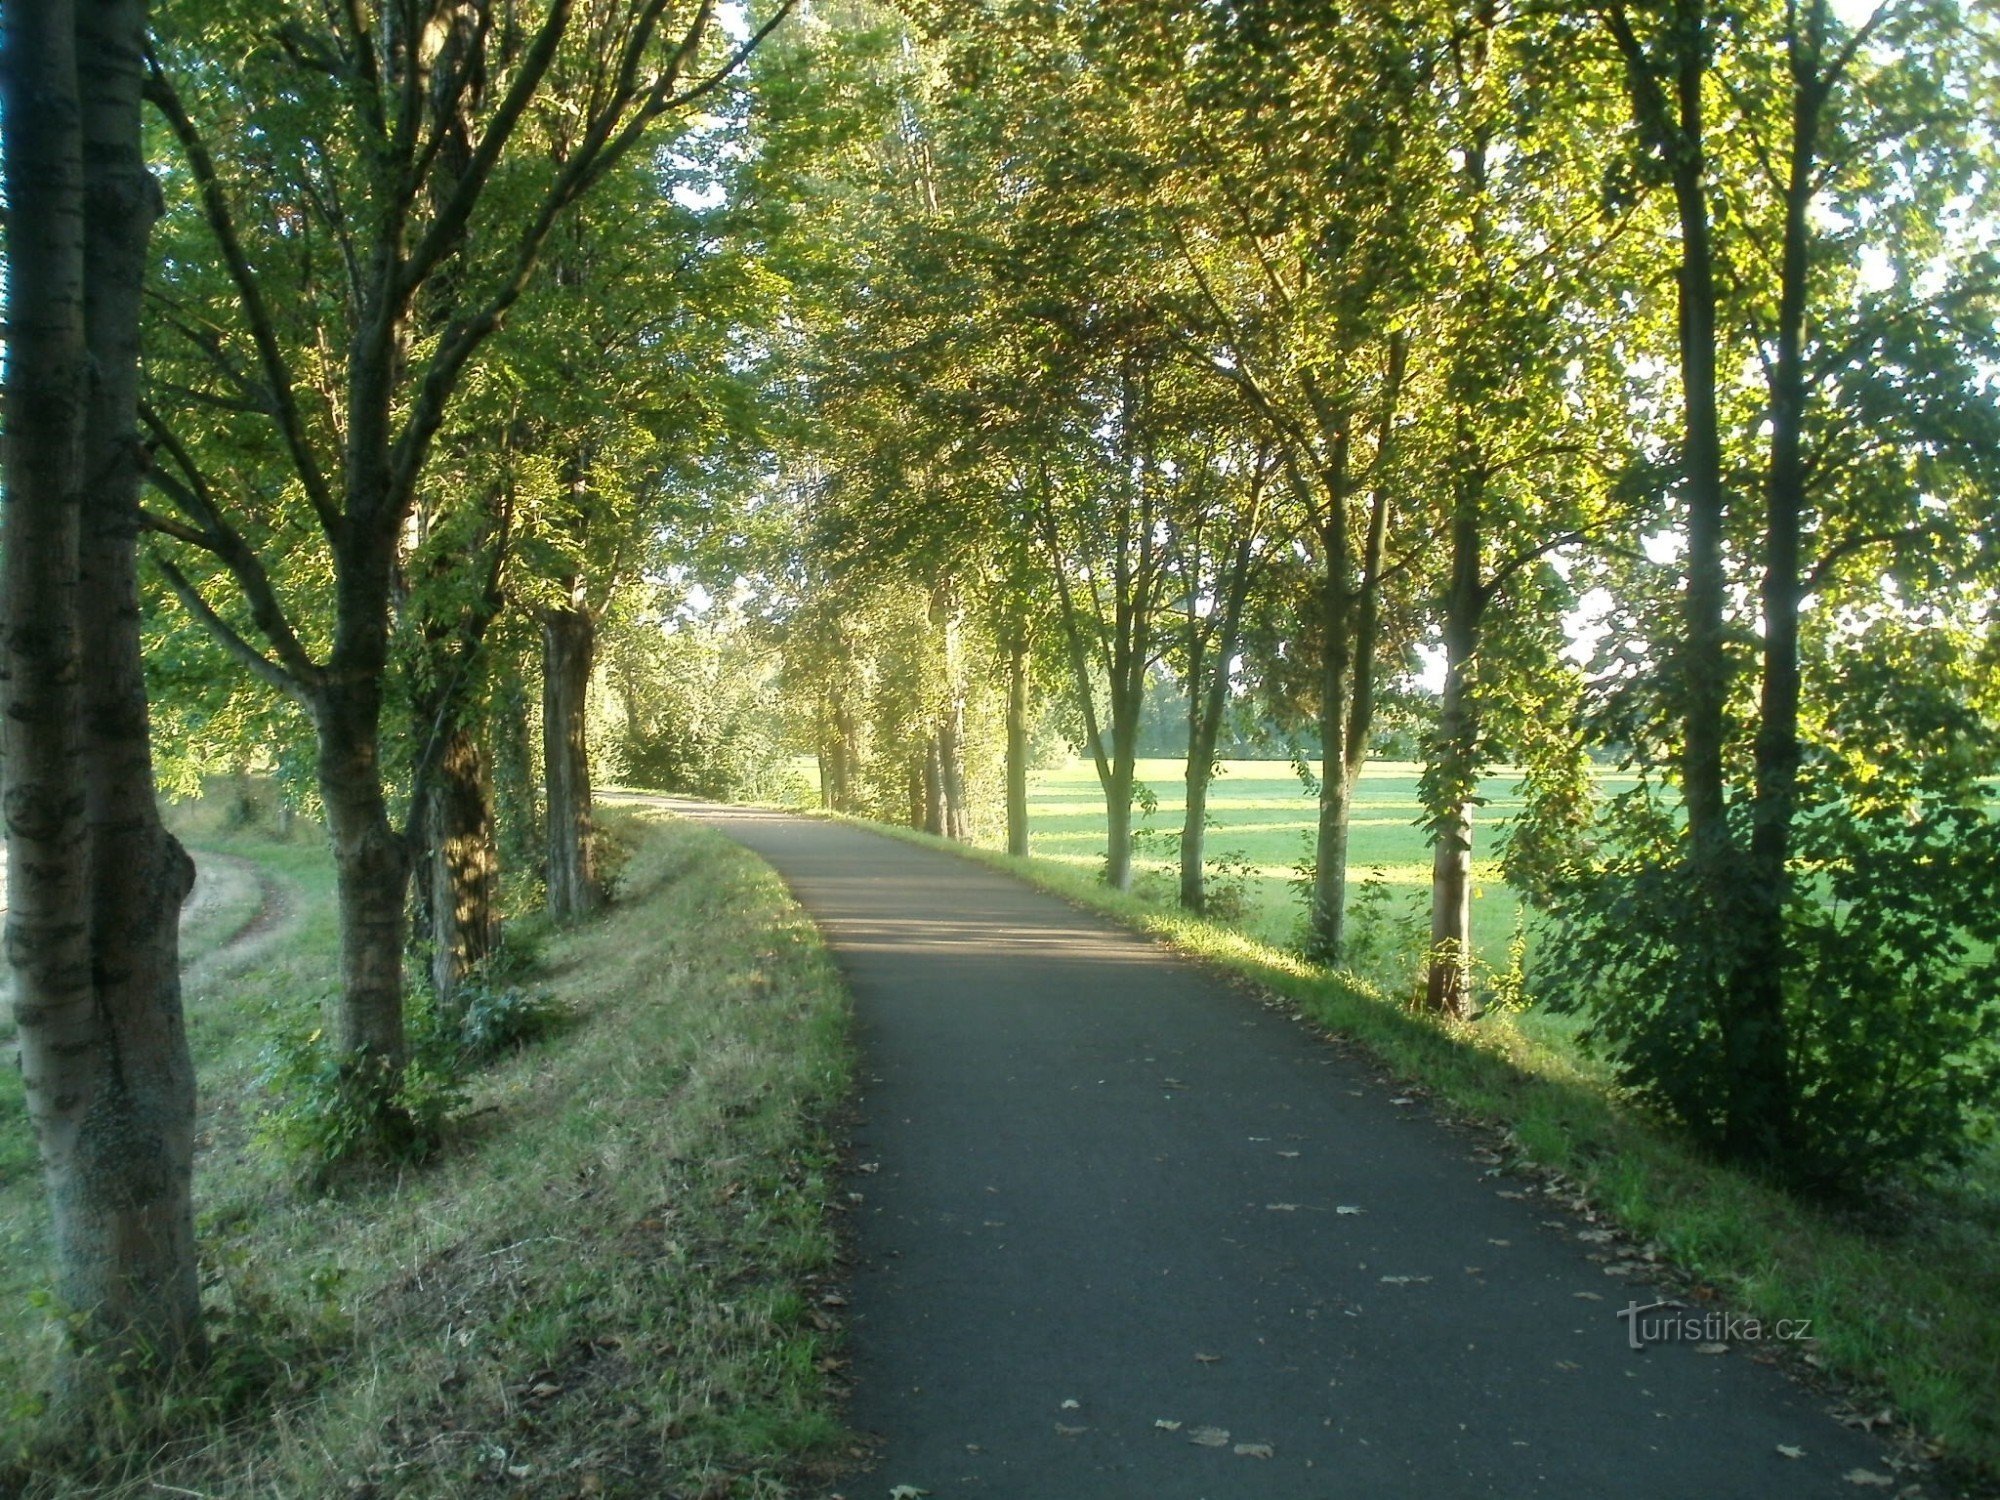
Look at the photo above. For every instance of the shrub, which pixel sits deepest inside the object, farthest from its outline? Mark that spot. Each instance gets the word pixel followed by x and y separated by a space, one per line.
pixel 1891 984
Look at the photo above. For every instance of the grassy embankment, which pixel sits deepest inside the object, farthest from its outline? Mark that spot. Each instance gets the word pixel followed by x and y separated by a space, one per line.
pixel 1904 1298
pixel 605 1284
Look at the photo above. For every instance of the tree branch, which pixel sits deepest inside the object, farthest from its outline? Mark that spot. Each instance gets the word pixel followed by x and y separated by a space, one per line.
pixel 263 332
pixel 259 664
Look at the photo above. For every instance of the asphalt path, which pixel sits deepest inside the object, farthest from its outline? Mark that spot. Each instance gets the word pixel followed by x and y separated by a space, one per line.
pixel 1120 1231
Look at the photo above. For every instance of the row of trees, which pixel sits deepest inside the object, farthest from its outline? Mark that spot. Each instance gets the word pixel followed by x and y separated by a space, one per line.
pixel 370 519
pixel 1003 358
pixel 1260 345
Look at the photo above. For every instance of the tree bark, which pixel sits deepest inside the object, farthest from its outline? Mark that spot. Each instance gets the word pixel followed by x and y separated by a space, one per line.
pixel 520 832
pixel 95 882
pixel 1017 746
pixel 1454 772
pixel 568 643
pixel 1118 828
pixel 1760 1118
pixel 462 867
pixel 934 817
pixel 371 873
pixel 1448 987
pixel 1749 978
pixel 1350 619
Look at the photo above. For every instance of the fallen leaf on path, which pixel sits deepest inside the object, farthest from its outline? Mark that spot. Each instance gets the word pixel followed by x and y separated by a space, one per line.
pixel 1404 1280
pixel 1069 1431
pixel 1166 1424
pixel 1209 1437
pixel 907 1492
pixel 1869 1478
pixel 1404 1100
pixel 1288 1154
pixel 1711 1348
pixel 1588 1296
pixel 1350 1208
pixel 1282 1208
pixel 1071 1405
pixel 1790 1451
pixel 1209 1359
pixel 1252 1450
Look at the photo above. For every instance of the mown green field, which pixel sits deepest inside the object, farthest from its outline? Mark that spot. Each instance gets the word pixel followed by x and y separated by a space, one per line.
pixel 1260 814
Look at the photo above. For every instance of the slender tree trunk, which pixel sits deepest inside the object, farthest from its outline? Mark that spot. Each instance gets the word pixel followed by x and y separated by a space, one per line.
pixel 934 814
pixel 1448 989
pixel 1761 1116
pixel 1750 1000
pixel 462 866
pixel 568 643
pixel 916 790
pixel 951 773
pixel 1017 746
pixel 1194 829
pixel 1327 920
pixel 1453 775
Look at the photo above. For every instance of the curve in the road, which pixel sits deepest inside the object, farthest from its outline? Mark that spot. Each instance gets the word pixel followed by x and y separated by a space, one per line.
pixel 1122 1234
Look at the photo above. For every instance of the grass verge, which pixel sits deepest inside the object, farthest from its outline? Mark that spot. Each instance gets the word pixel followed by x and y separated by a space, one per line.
pixel 604 1285
pixel 1905 1304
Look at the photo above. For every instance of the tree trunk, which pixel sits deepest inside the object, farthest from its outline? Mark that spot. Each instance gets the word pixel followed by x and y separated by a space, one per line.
pixel 371 871
pixel 461 866
pixel 1326 922
pixel 520 834
pixel 933 787
pixel 140 1131
pixel 95 883
pixel 1017 747
pixel 951 773
pixel 1194 829
pixel 1453 775
pixel 568 641
pixel 1118 829
pixel 846 735
pixel 1448 988
pixel 1760 1125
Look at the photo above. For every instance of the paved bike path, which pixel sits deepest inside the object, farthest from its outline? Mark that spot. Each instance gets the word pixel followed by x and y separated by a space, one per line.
pixel 1101 1192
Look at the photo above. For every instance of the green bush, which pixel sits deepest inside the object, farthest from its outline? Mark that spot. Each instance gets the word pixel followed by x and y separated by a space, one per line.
pixel 1891 985
pixel 324 1112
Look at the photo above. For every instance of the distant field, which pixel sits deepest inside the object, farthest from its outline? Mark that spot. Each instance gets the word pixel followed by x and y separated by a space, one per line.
pixel 1261 813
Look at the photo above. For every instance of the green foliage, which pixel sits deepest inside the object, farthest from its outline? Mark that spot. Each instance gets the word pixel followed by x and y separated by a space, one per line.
pixel 1891 989
pixel 492 1017
pixel 324 1114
